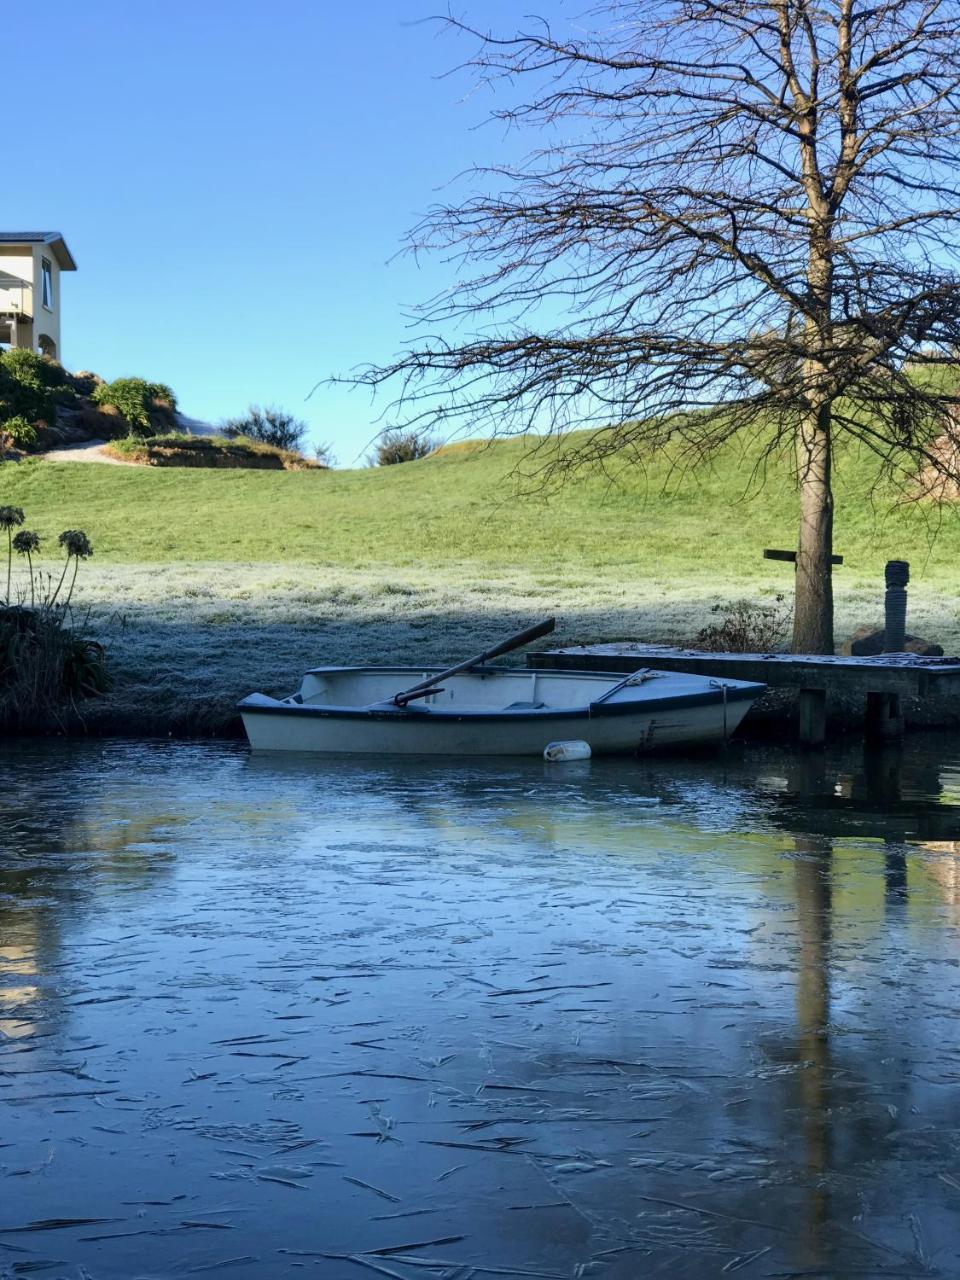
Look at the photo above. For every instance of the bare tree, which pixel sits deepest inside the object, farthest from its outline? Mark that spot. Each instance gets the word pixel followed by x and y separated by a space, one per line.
pixel 742 218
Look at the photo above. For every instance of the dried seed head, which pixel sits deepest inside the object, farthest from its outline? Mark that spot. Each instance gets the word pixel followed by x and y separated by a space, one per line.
pixel 26 542
pixel 76 543
pixel 11 517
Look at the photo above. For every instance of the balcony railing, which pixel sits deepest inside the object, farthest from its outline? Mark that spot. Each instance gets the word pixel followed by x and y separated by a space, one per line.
pixel 16 296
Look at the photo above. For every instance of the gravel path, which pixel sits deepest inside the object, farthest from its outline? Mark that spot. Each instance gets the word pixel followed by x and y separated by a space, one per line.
pixel 89 451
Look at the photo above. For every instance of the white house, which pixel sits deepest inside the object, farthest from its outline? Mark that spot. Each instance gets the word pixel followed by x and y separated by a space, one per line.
pixel 30 267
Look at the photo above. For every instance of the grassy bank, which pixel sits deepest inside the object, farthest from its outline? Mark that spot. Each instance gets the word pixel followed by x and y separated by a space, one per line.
pixel 462 505
pixel 207 584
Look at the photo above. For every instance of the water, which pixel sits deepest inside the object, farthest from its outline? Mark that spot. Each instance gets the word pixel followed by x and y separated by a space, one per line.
pixel 424 1020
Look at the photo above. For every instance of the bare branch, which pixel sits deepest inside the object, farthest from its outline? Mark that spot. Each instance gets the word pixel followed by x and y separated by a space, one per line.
pixel 743 219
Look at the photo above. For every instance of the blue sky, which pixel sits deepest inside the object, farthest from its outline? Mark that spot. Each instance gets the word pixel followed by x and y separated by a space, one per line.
pixel 234 179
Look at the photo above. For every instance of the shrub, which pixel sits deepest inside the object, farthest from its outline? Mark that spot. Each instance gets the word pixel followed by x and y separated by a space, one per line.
pixel 20 433
pixel 269 426
pixel 747 627
pixel 31 386
pixel 44 659
pixel 140 403
pixel 401 446
pixel 29 368
pixel 44 663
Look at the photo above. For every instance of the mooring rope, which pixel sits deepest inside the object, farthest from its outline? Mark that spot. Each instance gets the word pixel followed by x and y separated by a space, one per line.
pixel 721 684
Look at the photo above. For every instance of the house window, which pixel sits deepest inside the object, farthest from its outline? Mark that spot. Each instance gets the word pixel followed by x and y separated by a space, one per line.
pixel 46 276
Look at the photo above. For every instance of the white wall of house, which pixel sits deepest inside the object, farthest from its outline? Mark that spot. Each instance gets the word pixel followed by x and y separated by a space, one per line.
pixel 24 293
pixel 46 319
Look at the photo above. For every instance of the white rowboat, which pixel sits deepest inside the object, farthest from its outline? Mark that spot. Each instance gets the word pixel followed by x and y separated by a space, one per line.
pixel 495 711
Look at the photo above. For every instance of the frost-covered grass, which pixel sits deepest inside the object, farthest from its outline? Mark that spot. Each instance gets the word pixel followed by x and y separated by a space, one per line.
pixel 186 641
pixel 219 582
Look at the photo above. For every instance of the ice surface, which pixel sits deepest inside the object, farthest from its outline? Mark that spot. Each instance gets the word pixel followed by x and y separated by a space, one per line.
pixel 440 1019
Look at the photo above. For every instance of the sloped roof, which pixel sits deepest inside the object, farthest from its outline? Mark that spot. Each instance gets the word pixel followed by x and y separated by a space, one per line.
pixel 58 246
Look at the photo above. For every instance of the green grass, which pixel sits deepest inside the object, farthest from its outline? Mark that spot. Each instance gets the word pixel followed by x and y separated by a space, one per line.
pixel 206 584
pixel 462 506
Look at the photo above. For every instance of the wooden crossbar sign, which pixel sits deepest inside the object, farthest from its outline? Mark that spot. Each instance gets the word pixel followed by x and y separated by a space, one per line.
pixel 772 554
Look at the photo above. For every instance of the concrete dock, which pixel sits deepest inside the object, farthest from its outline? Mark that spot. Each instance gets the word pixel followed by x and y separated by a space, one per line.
pixel 884 681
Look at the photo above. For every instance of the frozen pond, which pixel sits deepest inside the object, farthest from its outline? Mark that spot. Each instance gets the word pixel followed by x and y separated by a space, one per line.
pixel 444 1020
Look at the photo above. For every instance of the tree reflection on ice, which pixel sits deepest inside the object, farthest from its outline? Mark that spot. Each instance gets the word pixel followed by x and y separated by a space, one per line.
pixel 812 872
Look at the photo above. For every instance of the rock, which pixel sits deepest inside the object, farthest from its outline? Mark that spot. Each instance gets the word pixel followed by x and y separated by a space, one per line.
pixel 868 641
pixel 79 422
pixel 84 382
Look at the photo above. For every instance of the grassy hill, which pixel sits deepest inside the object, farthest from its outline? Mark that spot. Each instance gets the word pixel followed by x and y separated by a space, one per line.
pixel 463 505
pixel 207 584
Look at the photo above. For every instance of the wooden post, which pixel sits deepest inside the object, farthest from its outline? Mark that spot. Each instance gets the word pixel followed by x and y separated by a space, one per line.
pixel 884 719
pixel 813 717
pixel 897 575
pixel 790 557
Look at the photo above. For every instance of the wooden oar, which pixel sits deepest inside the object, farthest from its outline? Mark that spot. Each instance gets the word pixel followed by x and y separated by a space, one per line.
pixel 426 687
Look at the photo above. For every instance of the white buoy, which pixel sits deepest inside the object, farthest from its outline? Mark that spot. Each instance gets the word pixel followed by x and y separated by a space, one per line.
pixel 560 752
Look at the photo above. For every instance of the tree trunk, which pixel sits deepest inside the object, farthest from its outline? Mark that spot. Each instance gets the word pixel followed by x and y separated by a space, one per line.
pixel 813 607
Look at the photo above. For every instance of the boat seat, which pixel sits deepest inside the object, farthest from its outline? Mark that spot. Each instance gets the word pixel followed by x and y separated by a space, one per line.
pixel 525 706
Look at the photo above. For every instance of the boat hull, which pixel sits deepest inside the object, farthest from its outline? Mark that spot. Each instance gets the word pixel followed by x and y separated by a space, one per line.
pixel 703 716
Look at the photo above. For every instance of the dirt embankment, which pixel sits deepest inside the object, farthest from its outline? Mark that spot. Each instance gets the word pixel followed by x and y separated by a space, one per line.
pixel 208 451
pixel 940 479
